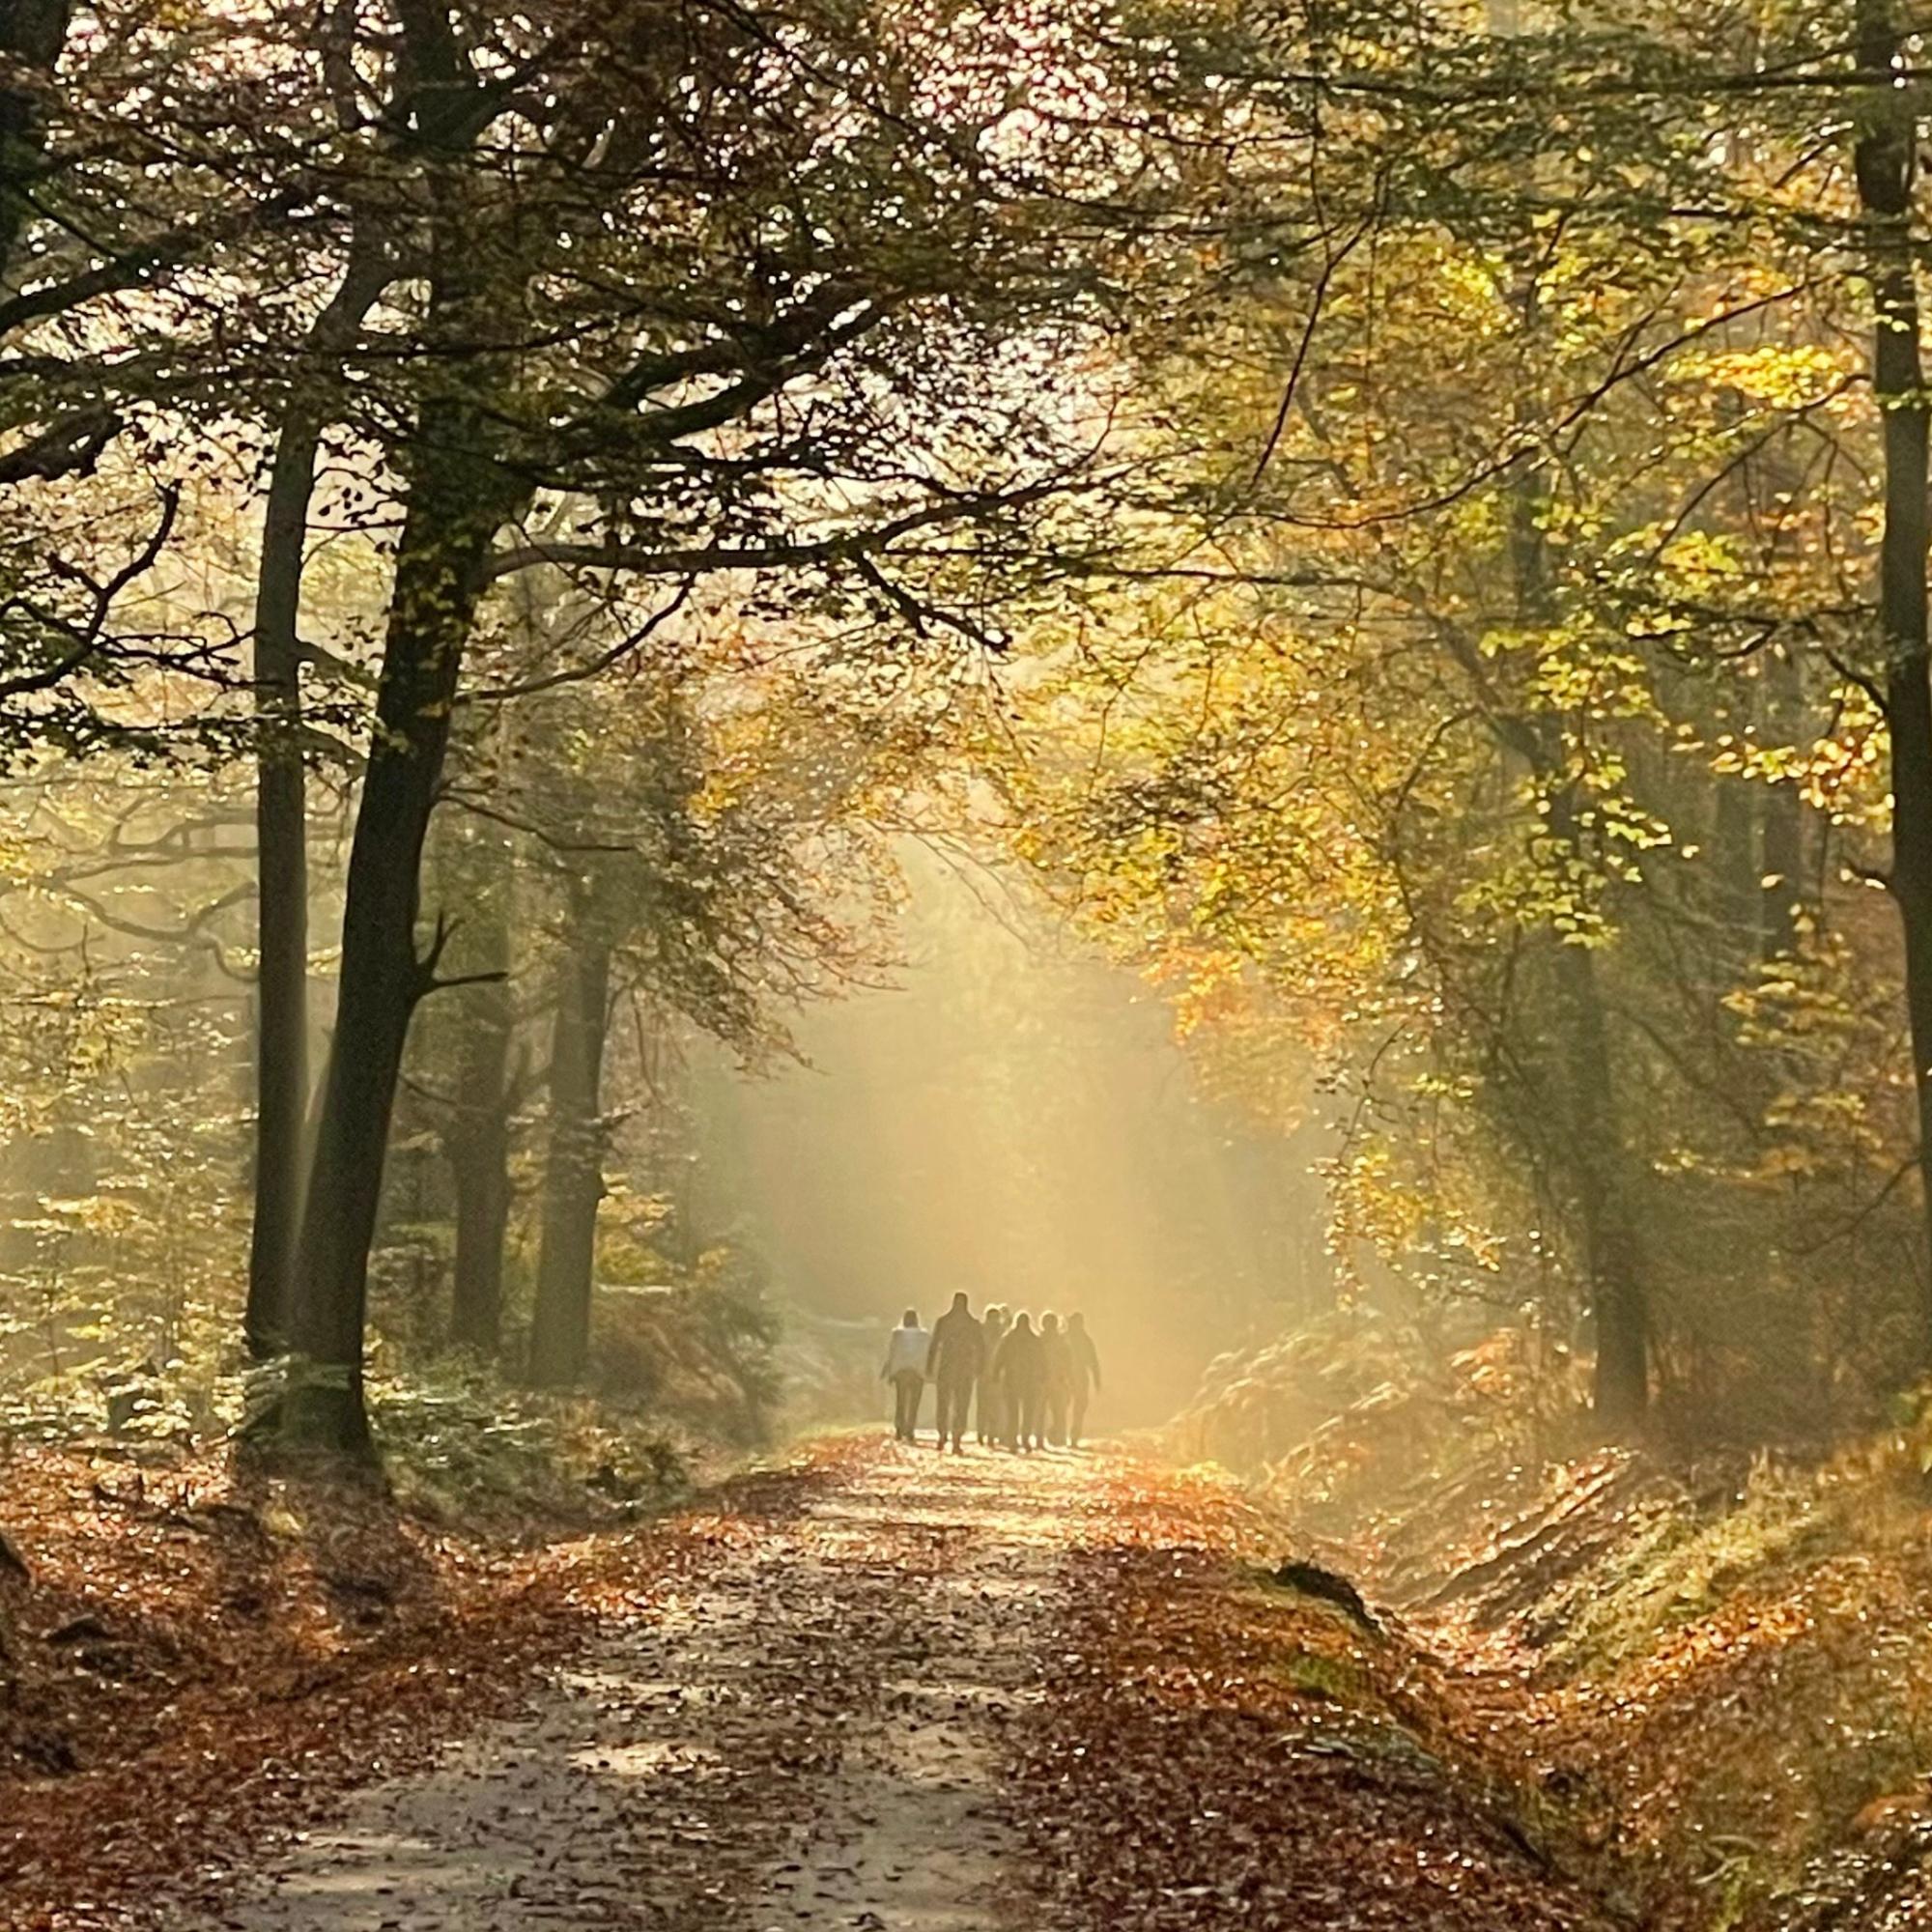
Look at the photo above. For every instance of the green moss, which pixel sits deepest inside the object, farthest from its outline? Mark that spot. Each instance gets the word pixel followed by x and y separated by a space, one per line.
pixel 1333 1679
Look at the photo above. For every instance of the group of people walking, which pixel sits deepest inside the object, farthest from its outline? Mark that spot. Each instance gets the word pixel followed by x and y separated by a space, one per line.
pixel 1031 1385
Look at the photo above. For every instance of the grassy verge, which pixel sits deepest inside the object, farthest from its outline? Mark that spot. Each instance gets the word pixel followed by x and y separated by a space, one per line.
pixel 1719 1674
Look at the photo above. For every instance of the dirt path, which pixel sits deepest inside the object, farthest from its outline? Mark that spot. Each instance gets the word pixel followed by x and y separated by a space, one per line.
pixel 947 1695
pixel 806 1733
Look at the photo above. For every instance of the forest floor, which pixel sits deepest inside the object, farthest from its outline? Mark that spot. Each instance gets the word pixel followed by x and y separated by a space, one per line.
pixel 878 1689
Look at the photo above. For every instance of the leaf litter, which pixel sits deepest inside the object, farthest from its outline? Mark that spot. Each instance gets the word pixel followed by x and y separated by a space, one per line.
pixel 874 1688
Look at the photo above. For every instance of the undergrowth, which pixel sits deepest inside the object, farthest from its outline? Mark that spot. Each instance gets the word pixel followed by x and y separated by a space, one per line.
pixel 465 1446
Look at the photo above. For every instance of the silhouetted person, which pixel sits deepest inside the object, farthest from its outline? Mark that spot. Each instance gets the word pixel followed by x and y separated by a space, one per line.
pixel 1057 1377
pixel 905 1370
pixel 1086 1376
pixel 1020 1369
pixel 955 1363
pixel 991 1418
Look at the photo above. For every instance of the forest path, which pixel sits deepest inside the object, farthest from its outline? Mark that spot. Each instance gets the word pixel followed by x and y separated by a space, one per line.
pixel 802 1732
pixel 926 1693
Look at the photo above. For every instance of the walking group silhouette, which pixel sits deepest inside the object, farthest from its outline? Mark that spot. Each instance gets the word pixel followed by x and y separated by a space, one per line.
pixel 1032 1385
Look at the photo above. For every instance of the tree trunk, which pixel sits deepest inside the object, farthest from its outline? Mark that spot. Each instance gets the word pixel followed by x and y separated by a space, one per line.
pixel 1782 892
pixel 458 498
pixel 32 35
pixel 1593 1137
pixel 479 1163
pixel 478 1138
pixel 574 1171
pixel 1782 885
pixel 1736 871
pixel 1611 1252
pixel 281 833
pixel 281 829
pixel 1884 162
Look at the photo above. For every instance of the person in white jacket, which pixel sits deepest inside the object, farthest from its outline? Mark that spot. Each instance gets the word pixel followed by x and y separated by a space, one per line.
pixel 905 1370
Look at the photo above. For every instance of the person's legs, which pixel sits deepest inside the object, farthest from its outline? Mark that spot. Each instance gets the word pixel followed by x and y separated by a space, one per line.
pixel 954 1398
pixel 910 1385
pixel 1077 1421
pixel 1031 1402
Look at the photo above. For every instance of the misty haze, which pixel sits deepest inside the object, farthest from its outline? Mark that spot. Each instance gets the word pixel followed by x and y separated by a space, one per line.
pixel 1010 1116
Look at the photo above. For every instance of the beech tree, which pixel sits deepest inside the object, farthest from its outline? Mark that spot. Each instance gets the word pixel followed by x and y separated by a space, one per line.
pixel 744 293
pixel 1541 455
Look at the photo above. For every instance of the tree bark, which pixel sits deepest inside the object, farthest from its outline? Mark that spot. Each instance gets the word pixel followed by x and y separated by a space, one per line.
pixel 32 35
pixel 478 1138
pixel 1620 1391
pixel 1884 162
pixel 281 828
pixel 1782 892
pixel 1783 886
pixel 457 497
pixel 1736 871
pixel 1611 1251
pixel 457 501
pixel 573 1169
pixel 479 1164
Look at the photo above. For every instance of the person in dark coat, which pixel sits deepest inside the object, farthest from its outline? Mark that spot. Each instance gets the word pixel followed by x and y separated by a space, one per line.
pixel 1020 1369
pixel 1057 1378
pixel 1086 1376
pixel 954 1365
pixel 991 1418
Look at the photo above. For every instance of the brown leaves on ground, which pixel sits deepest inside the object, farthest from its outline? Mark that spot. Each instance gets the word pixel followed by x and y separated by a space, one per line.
pixel 201 1658
pixel 201 1664
pixel 1215 1752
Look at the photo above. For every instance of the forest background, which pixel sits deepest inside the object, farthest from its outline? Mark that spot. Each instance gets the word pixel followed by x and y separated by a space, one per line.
pixel 1401 530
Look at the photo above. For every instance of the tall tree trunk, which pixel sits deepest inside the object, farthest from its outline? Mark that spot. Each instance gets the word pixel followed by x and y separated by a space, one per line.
pixel 1885 159
pixel 1736 876
pixel 1737 870
pixel 478 1137
pixel 1782 885
pixel 32 35
pixel 574 1170
pixel 1612 1255
pixel 1592 1133
pixel 281 824
pixel 281 833
pixel 457 501
pixel 459 496
pixel 479 1164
